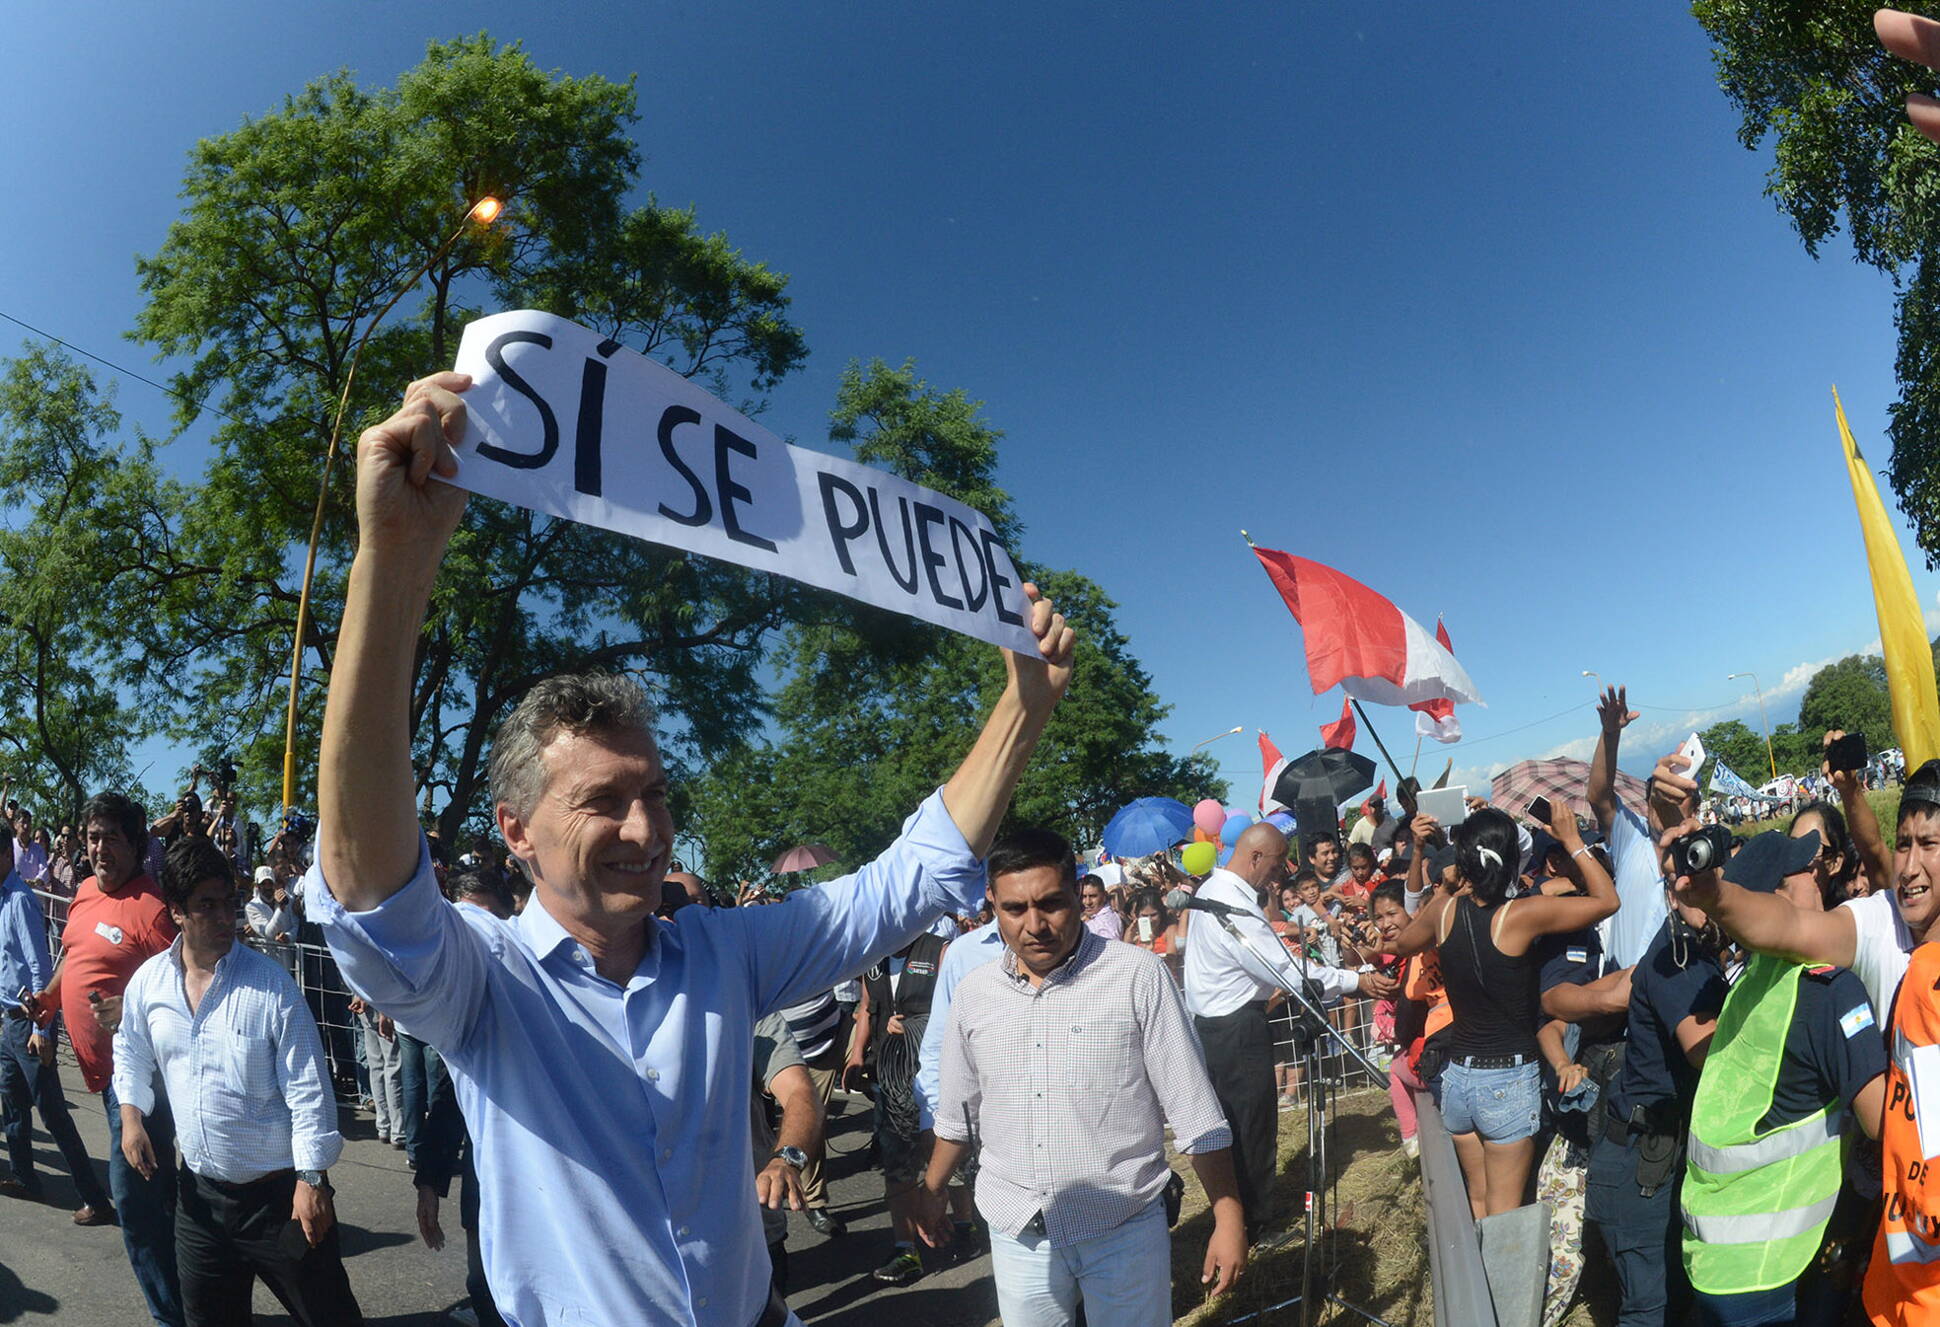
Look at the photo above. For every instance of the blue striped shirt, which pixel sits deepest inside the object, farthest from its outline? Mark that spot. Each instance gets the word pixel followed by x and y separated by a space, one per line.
pixel 24 960
pixel 244 1070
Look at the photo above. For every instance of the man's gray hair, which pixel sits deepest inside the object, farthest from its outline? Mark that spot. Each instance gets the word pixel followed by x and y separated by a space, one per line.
pixel 590 702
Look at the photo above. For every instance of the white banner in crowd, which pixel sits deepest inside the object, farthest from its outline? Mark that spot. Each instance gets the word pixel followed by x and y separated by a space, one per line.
pixel 563 421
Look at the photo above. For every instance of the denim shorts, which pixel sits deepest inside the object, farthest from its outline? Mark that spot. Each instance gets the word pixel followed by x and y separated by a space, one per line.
pixel 1502 1105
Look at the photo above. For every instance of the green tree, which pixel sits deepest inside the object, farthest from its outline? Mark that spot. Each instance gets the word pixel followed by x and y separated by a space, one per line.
pixel 298 228
pixel 876 710
pixel 76 572
pixel 1850 694
pixel 1739 747
pixel 1810 75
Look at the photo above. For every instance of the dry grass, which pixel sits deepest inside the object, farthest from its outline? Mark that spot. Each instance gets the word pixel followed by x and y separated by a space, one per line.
pixel 1379 1239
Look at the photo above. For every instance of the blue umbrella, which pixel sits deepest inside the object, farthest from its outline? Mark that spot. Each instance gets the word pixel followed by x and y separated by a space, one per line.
pixel 1149 825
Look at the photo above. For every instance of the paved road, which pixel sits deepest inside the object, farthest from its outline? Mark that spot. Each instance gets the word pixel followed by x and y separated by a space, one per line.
pixel 53 1272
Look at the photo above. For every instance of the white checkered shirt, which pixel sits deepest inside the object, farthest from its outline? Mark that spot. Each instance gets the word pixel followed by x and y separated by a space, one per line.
pixel 1070 1086
pixel 244 1073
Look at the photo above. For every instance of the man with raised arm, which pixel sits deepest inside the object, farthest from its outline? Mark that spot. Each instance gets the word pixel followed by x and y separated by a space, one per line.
pixel 1627 933
pixel 595 1054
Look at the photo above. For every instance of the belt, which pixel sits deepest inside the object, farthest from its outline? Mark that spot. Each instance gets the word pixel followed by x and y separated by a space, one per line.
pixel 776 1313
pixel 1622 1133
pixel 1493 1061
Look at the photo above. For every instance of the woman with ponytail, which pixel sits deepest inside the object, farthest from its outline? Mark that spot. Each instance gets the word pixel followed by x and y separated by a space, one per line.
pixel 1491 1098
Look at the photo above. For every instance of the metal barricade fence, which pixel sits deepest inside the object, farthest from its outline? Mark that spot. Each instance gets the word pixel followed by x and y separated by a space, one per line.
pixel 316 976
pixel 1353 1018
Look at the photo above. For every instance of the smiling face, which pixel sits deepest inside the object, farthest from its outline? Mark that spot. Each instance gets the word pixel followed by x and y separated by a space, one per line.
pixel 599 839
pixel 1916 867
pixel 1390 919
pixel 111 855
pixel 1038 916
pixel 1326 859
pixel 1093 897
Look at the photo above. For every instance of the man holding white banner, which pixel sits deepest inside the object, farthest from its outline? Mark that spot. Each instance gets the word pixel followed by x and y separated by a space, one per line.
pixel 597 1056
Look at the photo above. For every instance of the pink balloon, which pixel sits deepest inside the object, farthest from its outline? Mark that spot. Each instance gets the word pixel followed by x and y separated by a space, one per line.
pixel 1210 816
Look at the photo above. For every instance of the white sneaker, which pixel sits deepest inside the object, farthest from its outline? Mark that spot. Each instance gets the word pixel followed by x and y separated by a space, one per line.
pixel 1411 1146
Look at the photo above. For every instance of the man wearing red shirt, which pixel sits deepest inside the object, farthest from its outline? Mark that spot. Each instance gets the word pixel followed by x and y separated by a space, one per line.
pixel 116 922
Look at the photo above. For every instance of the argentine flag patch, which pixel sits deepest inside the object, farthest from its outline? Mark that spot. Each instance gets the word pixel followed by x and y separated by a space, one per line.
pixel 1577 955
pixel 1854 1021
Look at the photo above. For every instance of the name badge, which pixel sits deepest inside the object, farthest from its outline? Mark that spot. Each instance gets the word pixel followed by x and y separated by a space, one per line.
pixel 112 934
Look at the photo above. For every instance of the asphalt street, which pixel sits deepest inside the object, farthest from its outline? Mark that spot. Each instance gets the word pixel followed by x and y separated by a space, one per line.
pixel 54 1272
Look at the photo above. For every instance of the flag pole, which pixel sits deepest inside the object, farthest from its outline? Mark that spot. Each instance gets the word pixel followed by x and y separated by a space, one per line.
pixel 1415 764
pixel 1376 736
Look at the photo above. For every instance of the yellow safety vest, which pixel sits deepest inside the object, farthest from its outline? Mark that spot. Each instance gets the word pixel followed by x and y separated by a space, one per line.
pixel 1755 1205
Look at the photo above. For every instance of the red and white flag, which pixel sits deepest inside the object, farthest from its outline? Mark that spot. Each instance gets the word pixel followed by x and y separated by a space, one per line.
pixel 1361 642
pixel 1270 762
pixel 1436 718
pixel 1341 732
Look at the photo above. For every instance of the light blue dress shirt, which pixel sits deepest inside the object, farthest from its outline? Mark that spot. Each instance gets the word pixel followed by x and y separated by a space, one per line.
pixel 1639 878
pixel 24 960
pixel 611 1123
pixel 970 950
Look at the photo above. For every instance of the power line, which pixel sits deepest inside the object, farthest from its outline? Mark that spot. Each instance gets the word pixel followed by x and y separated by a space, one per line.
pixel 125 372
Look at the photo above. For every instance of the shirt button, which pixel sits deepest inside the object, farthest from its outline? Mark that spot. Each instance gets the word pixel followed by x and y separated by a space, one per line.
pixel 701 1303
pixel 667 1154
pixel 682 1232
pixel 653 1075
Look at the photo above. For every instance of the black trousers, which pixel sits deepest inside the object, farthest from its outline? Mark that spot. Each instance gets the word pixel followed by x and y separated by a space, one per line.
pixel 227 1235
pixel 1239 1060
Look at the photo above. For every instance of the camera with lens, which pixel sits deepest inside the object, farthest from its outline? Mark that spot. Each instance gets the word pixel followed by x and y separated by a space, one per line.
pixel 1705 849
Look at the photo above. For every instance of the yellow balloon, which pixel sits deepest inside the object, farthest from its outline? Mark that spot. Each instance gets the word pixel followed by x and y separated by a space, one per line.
pixel 1198 858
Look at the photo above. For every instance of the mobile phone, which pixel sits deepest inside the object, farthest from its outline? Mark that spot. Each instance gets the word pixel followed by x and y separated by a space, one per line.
pixel 1848 753
pixel 1145 930
pixel 1539 810
pixel 1692 751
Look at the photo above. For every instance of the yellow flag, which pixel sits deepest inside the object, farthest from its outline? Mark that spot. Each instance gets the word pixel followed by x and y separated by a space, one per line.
pixel 1902 626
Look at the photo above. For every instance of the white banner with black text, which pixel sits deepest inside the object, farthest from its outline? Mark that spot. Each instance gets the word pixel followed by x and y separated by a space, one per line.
pixel 563 421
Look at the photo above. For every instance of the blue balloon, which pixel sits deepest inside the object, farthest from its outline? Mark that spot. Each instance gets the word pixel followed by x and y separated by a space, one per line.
pixel 1281 820
pixel 1225 855
pixel 1236 824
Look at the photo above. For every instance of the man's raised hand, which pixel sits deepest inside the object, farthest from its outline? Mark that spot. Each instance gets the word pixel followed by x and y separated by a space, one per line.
pixel 1040 683
pixel 1614 712
pixel 400 509
pixel 1917 39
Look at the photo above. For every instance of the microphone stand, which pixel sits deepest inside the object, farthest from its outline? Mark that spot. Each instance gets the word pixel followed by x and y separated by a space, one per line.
pixel 1309 1017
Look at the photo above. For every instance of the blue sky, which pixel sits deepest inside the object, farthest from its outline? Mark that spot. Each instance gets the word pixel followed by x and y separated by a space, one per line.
pixel 1484 306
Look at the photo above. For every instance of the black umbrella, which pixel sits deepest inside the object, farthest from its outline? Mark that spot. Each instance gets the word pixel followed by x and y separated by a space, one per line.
pixel 1329 775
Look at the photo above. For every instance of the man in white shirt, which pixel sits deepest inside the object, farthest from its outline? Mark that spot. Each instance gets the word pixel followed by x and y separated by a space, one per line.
pixel 271 916
pixel 256 1121
pixel 30 859
pixel 1228 982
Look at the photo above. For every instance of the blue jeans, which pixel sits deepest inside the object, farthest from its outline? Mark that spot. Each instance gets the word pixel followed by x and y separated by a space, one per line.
pixel 27 1085
pixel 423 1080
pixel 1124 1276
pixel 1499 1105
pixel 147 1209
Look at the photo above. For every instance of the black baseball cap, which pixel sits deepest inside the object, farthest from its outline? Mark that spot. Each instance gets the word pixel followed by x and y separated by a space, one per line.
pixel 1763 863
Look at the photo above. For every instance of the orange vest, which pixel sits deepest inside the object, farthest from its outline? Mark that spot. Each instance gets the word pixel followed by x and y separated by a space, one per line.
pixel 1903 1280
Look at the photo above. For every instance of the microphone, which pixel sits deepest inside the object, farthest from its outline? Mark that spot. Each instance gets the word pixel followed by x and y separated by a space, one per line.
pixel 1180 900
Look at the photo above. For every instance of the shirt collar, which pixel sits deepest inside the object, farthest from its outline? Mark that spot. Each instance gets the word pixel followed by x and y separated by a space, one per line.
pixel 1087 948
pixel 544 936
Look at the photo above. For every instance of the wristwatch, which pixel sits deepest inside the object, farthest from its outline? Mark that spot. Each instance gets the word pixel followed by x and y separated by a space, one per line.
pixel 794 1156
pixel 316 1179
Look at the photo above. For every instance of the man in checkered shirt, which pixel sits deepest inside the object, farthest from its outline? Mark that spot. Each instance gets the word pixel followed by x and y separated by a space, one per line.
pixel 1068 1057
pixel 242 1067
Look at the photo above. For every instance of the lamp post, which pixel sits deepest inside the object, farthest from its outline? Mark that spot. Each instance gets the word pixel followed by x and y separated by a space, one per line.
pixel 1599 679
pixel 1237 728
pixel 482 214
pixel 1770 758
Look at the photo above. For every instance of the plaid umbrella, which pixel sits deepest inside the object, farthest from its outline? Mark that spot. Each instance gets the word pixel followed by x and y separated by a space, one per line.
pixel 806 857
pixel 1567 780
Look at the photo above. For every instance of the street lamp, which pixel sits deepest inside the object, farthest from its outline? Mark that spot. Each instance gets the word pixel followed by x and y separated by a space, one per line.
pixel 1237 728
pixel 481 214
pixel 1599 680
pixel 1769 757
